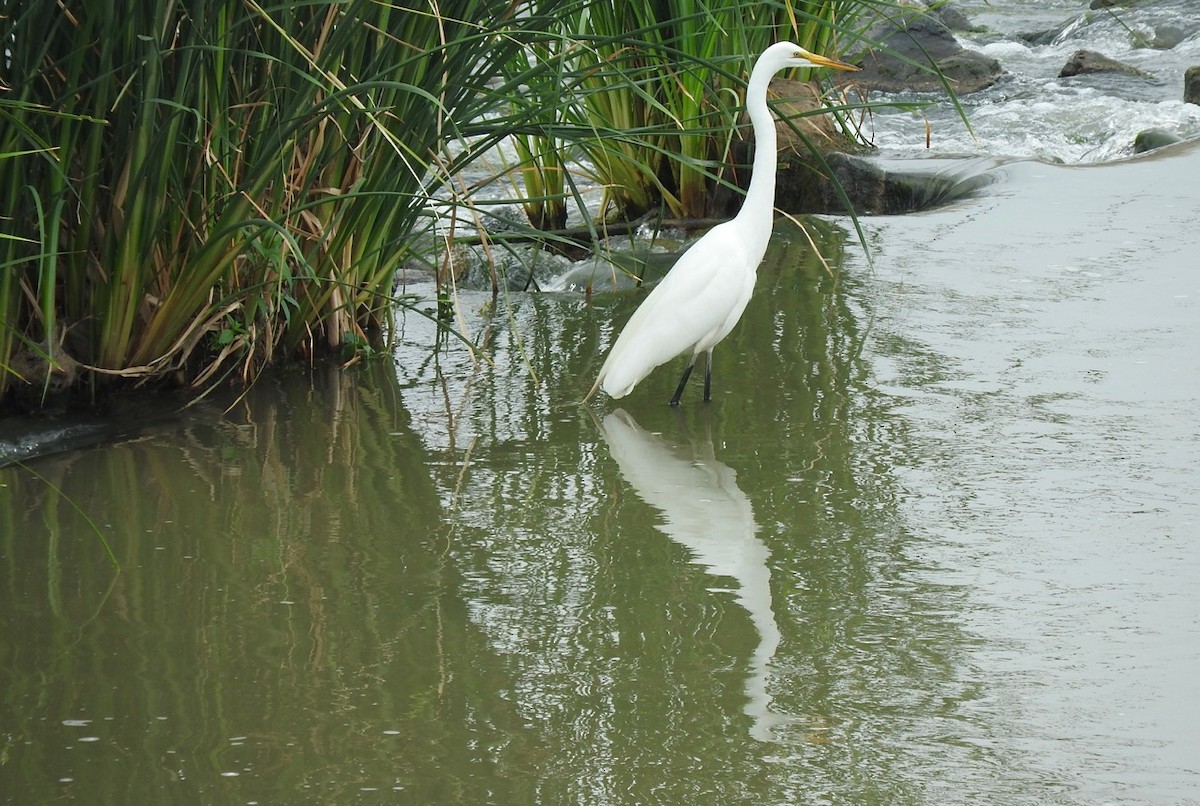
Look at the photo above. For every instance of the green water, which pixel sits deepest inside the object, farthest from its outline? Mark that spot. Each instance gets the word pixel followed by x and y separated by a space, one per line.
pixel 934 541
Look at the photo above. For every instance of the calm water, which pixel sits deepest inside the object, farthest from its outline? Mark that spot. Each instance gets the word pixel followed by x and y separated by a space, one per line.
pixel 934 541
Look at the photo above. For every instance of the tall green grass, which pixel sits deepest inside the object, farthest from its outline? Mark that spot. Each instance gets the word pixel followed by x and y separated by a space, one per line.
pixel 656 90
pixel 196 188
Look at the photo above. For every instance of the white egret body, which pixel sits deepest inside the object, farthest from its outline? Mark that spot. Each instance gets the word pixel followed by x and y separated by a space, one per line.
pixel 704 294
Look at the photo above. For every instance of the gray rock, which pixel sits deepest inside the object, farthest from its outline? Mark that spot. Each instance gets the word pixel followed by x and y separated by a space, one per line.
pixel 1151 139
pixel 954 19
pixel 1083 62
pixel 1191 85
pixel 929 43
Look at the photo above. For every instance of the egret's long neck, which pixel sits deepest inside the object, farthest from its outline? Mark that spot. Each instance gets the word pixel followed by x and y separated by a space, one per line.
pixel 760 196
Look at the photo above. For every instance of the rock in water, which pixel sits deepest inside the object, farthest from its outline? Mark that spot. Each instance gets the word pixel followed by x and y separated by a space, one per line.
pixel 1151 139
pixel 1089 61
pixel 1191 85
pixel 906 45
pixel 1166 37
pixel 954 19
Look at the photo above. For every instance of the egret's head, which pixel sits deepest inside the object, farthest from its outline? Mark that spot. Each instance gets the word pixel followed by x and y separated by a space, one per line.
pixel 787 54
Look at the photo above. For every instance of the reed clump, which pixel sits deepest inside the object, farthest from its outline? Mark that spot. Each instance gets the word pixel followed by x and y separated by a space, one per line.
pixel 194 189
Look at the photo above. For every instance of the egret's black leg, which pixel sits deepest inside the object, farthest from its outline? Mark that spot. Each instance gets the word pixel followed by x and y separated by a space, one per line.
pixel 708 377
pixel 683 382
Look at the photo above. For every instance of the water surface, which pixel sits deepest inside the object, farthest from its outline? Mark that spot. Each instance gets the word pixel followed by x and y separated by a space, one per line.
pixel 934 541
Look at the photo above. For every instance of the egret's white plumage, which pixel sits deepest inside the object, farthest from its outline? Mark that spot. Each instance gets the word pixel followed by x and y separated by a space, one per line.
pixel 704 294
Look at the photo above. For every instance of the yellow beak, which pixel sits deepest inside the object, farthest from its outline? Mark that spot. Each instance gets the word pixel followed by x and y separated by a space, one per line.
pixel 825 61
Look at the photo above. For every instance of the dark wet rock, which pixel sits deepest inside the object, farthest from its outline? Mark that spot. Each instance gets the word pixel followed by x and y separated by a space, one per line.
pixel 1191 85
pixel 24 438
pixel 1151 139
pixel 118 414
pixel 1083 62
pixel 123 415
pixel 874 186
pixel 925 40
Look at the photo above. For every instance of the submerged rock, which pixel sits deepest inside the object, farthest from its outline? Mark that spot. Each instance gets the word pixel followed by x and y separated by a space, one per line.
pixel 874 186
pixel 1166 37
pixel 1151 139
pixel 617 269
pixel 1089 61
pixel 911 49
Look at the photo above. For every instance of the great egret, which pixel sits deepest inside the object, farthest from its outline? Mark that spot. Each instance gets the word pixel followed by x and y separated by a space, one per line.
pixel 704 294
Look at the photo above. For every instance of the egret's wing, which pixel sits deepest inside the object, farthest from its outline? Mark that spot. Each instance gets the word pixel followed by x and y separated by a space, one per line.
pixel 693 301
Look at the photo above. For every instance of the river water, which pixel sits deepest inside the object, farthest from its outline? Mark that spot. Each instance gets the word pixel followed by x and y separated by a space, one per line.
pixel 1031 113
pixel 934 541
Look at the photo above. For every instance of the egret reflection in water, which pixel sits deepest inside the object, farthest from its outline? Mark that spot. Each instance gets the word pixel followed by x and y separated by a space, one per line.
pixel 706 512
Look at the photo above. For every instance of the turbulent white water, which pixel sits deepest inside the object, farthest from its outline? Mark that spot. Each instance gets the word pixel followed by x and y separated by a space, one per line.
pixel 1031 112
